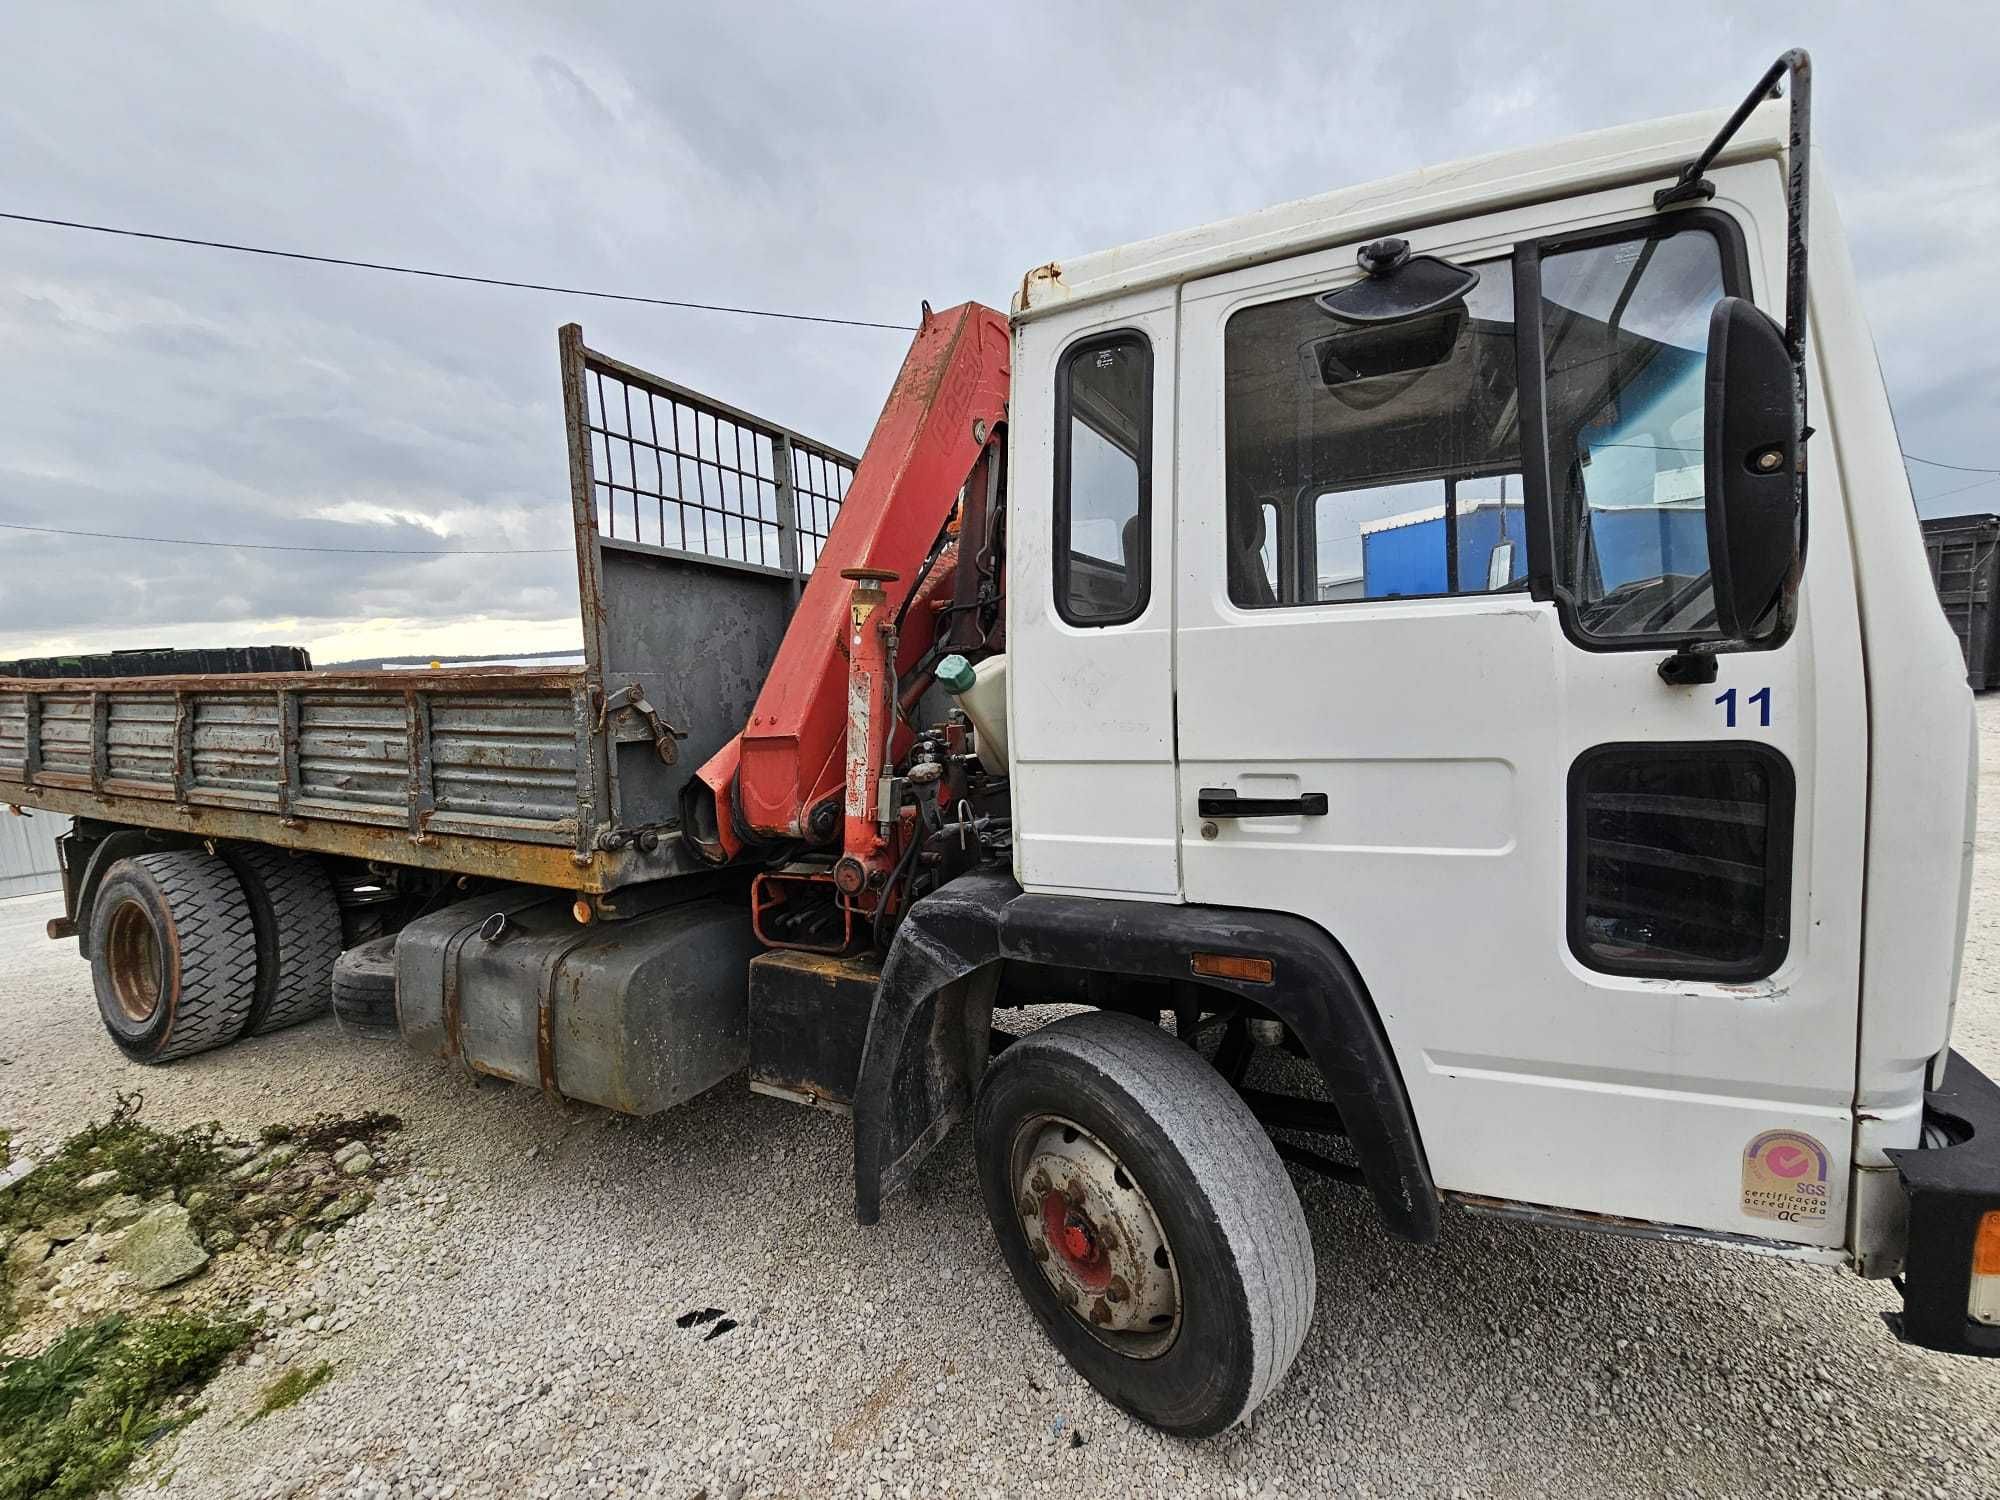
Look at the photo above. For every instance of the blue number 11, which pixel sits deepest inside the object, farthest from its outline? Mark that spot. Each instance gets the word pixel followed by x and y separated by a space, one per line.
pixel 1762 698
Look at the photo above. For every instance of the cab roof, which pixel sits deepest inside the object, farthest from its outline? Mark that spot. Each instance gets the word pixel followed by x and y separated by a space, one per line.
pixel 1429 195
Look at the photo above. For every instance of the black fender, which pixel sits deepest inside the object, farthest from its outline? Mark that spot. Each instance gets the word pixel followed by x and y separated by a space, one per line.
pixel 939 981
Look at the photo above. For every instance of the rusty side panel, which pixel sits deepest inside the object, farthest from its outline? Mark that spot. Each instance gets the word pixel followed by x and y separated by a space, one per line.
pixel 454 763
pixel 490 857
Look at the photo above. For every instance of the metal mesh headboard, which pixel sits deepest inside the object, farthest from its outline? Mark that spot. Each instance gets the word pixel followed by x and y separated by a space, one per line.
pixel 696 526
pixel 670 467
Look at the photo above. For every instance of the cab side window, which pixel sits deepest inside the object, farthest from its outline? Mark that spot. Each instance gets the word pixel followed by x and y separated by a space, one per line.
pixel 1394 452
pixel 1103 491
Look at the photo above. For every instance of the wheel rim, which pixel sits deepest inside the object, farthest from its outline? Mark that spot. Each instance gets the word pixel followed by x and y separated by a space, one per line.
pixel 132 954
pixel 1095 1236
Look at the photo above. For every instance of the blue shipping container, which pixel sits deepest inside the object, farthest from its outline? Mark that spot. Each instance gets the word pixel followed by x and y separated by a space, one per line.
pixel 1404 555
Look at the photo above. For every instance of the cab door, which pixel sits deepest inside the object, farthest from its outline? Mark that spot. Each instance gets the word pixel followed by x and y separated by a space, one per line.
pixel 1427 575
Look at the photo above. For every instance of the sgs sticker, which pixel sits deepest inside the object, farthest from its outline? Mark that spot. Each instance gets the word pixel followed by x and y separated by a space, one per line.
pixel 1785 1178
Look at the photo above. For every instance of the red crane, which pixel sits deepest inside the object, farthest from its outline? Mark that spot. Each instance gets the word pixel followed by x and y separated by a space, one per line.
pixel 829 722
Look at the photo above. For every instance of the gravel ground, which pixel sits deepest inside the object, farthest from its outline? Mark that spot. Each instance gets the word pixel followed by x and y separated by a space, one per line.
pixel 505 1320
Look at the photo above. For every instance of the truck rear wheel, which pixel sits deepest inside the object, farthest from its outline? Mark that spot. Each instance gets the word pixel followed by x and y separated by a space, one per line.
pixel 297 921
pixel 1146 1218
pixel 173 954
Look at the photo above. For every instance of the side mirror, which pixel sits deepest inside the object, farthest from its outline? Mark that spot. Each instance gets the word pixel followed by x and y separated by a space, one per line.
pixel 1755 500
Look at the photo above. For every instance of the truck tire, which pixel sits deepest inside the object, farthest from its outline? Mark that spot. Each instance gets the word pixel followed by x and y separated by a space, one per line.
pixel 173 954
pixel 364 988
pixel 297 920
pixel 1146 1218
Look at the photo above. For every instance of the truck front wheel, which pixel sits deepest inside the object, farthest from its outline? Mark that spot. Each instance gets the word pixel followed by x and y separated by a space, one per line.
pixel 1146 1219
pixel 173 954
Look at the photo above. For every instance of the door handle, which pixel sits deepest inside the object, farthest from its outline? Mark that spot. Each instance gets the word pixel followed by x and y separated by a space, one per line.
pixel 1221 802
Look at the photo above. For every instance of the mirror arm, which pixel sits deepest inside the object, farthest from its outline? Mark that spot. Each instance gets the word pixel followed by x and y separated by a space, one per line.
pixel 1692 185
pixel 1696 664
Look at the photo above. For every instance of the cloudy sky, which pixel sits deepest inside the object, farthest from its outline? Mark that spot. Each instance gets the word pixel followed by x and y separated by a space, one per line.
pixel 820 159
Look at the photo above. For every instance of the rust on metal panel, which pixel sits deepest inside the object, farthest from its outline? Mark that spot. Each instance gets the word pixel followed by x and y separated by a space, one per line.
pixel 452 1047
pixel 288 753
pixel 545 1009
pixel 100 752
pixel 183 762
pixel 1043 276
pixel 507 857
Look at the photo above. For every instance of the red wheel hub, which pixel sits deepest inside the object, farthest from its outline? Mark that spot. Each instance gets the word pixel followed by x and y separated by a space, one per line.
pixel 1072 1236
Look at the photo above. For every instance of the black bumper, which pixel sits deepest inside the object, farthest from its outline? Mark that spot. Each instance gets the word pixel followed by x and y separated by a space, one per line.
pixel 1949 1188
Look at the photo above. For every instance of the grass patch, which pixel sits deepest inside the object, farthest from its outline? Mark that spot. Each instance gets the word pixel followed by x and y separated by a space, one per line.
pixel 289 1389
pixel 193 1165
pixel 147 1162
pixel 78 1413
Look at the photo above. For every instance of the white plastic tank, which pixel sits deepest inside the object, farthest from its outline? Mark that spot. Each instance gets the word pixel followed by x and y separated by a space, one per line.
pixel 981 690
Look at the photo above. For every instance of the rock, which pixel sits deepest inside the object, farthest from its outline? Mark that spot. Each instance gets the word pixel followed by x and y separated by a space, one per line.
pixel 261 1206
pixel 262 1166
pixel 358 1163
pixel 81 1252
pixel 346 1206
pixel 28 1251
pixel 68 1227
pixel 220 1240
pixel 288 1243
pixel 235 1156
pixel 347 1149
pixel 116 1213
pixel 195 1199
pixel 161 1249
pixel 97 1182
pixel 312 1240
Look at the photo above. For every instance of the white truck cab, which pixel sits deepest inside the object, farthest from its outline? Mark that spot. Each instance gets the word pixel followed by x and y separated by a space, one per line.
pixel 1661 924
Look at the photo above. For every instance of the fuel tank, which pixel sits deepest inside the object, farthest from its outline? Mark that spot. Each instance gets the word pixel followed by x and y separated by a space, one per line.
pixel 635 1014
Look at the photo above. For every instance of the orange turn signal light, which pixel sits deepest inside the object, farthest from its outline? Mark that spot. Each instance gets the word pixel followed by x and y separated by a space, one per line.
pixel 1233 966
pixel 1986 1245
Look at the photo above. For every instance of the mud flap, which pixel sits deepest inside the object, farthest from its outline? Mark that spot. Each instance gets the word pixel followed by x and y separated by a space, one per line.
pixel 928 1034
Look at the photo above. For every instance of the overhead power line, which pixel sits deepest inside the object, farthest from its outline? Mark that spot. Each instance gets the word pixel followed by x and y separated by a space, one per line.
pixel 1961 468
pixel 525 286
pixel 1959 489
pixel 185 541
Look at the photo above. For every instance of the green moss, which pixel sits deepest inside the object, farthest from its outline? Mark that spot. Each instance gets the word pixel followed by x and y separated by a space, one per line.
pixel 290 1388
pixel 147 1161
pixel 78 1413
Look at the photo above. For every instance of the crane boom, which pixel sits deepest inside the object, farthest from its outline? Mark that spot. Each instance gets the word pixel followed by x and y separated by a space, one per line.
pixel 825 725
